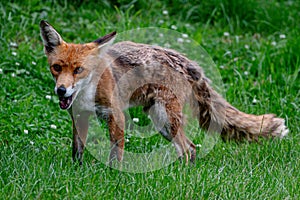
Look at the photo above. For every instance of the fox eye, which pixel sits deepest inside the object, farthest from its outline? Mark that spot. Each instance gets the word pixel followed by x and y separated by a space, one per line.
pixel 78 70
pixel 56 68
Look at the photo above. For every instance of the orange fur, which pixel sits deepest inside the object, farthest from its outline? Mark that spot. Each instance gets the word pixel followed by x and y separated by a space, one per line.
pixel 162 80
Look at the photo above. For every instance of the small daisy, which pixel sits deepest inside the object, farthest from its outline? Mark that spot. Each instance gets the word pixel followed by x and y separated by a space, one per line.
pixel 1 71
pixel 246 73
pixel 174 27
pixel 33 63
pixel 13 44
pixel 165 12
pixel 222 66
pixel 254 101
pixel 180 40
pixel 226 34
pixel 26 131
pixel 17 64
pixel 185 35
pixel 273 43
pixel 246 46
pixel 235 59
pixel 14 53
pixel 198 145
pixel 31 142
pixel 135 119
pixel 53 126
pixel 161 21
pixel 13 75
pixel 188 41
pixel 48 97
pixel 282 36
pixel 227 53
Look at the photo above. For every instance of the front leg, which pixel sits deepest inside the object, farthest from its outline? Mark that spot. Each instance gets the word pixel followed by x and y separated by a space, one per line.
pixel 80 129
pixel 116 125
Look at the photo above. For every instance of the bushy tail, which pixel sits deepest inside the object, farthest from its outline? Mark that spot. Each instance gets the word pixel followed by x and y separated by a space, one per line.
pixel 216 114
pixel 239 125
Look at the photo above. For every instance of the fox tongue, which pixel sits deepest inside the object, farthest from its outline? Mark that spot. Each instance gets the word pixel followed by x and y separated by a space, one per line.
pixel 64 102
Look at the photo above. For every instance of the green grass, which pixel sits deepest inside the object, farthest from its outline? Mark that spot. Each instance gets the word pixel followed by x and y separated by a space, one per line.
pixel 255 62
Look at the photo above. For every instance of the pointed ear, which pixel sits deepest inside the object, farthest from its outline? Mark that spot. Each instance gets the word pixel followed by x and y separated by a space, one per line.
pixel 51 38
pixel 105 41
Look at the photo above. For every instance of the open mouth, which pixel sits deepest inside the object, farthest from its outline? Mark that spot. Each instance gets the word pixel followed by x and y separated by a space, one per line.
pixel 65 102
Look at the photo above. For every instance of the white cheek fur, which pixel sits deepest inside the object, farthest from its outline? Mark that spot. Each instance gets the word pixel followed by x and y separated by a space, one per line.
pixel 70 91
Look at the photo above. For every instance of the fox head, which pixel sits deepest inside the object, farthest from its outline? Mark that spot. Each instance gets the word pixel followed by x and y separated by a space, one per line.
pixel 68 62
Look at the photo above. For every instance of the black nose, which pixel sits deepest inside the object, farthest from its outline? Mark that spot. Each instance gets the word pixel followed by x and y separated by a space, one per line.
pixel 61 91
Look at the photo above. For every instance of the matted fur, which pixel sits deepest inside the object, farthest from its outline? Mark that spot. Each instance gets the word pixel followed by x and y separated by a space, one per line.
pixel 161 80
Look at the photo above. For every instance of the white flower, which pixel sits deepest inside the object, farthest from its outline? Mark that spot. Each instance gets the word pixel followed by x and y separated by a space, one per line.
pixel 282 36
pixel 246 46
pixel 48 97
pixel 161 21
pixel 254 101
pixel 31 142
pixel 14 53
pixel 222 66
pixel 185 35
pixel 165 12
pixel 17 64
pixel 174 27
pixel 53 126
pixel 1 71
pixel 15 100
pixel 126 140
pixel 227 53
pixel 26 131
pixel 13 44
pixel 226 34
pixel 246 73
pixel 13 75
pixel 235 59
pixel 188 41
pixel 273 43
pixel 135 119
pixel 180 40
pixel 198 145
pixel 33 63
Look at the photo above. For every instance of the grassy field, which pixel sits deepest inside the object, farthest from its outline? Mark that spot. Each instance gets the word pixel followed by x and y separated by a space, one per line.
pixel 255 46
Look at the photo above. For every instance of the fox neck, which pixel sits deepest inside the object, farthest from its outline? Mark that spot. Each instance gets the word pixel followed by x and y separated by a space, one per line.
pixel 97 92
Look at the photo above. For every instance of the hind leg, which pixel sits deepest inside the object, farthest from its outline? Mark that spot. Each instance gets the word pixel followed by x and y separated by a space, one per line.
pixel 168 121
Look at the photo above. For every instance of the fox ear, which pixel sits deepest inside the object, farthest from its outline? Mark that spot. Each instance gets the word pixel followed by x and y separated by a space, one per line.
pixel 105 41
pixel 51 38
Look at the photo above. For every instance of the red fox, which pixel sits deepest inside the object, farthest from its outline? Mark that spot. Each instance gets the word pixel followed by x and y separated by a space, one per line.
pixel 91 77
